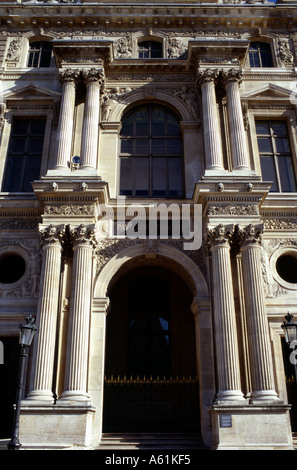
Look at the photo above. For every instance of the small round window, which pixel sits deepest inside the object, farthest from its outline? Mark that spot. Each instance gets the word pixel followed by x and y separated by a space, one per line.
pixel 12 268
pixel 286 266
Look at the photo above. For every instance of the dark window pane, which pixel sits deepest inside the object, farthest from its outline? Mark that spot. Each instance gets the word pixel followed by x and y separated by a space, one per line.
pixel 141 177
pixel 159 147
pixel 159 177
pixel 40 54
pixel 141 147
pixel 286 173
pixel 126 176
pixel 254 59
pixel 127 146
pixel 265 145
pixel 262 127
pixel 25 153
pixel 158 122
pixel 279 127
pixel 35 145
pixel 141 123
pixel 18 145
pixel 175 177
pixel 268 172
pixel 38 127
pixel 173 126
pixel 20 127
pixel 150 176
pixel 174 147
pixel 32 171
pixel 14 174
pixel 282 145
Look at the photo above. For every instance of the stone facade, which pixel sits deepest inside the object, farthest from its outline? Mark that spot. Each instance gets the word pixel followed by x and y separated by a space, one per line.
pixel 204 75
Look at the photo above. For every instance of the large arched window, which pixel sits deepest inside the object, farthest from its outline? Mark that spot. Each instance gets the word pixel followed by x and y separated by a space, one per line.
pixel 151 153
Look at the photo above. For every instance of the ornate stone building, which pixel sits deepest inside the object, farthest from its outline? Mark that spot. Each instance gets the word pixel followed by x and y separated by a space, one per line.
pixel 108 110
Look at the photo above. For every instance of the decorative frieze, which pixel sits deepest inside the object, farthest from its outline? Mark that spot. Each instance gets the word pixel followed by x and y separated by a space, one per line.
pixel 69 209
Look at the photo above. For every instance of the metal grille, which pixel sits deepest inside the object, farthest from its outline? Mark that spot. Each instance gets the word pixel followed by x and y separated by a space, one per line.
pixel 151 404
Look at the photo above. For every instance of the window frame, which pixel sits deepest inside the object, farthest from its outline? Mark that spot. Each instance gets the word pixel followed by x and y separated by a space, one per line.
pixel 274 153
pixel 39 52
pixel 150 42
pixel 150 157
pixel 276 113
pixel 33 112
pixel 270 44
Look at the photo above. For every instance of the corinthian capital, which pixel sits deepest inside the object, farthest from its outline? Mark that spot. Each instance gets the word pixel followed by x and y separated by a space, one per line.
pixel 68 75
pixel 231 76
pixel 83 235
pixel 52 235
pixel 250 235
pixel 220 235
pixel 206 76
pixel 93 75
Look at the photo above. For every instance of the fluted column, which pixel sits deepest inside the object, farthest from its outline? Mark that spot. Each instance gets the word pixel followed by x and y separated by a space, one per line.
pixel 68 79
pixel 226 341
pixel 262 377
pixel 239 150
pixel 41 389
pixel 93 79
pixel 212 134
pixel 75 386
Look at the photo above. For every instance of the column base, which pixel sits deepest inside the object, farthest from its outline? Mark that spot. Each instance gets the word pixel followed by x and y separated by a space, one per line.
pixel 72 397
pixel 264 396
pixel 40 396
pixel 251 427
pixel 230 396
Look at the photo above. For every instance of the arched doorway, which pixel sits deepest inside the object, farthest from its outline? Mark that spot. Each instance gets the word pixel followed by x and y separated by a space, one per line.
pixel 150 359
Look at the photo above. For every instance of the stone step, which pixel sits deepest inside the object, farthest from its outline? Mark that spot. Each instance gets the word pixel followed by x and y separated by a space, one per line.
pixel 294 436
pixel 148 441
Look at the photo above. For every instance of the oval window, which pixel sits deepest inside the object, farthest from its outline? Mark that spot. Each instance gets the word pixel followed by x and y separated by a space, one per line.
pixel 286 266
pixel 12 268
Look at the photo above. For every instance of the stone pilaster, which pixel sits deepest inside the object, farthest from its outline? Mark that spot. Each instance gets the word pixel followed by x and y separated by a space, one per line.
pixel 93 80
pixel 211 128
pixel 41 388
pixel 226 341
pixel 75 386
pixel 239 150
pixel 260 353
pixel 68 79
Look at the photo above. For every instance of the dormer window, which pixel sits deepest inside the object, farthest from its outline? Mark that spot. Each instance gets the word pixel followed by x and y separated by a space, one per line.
pixel 260 55
pixel 150 50
pixel 40 54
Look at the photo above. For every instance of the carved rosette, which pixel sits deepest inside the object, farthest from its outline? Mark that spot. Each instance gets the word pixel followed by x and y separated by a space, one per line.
pixel 52 235
pixel 231 76
pixel 83 236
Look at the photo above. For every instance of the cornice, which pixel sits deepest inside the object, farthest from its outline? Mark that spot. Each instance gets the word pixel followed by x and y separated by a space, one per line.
pixel 128 15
